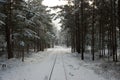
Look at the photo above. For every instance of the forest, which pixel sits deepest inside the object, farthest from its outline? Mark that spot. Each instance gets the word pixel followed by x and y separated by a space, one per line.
pixel 86 47
pixel 24 25
pixel 92 25
pixel 28 25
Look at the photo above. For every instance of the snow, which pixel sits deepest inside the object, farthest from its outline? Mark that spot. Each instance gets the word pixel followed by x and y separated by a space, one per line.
pixel 38 66
pixel 22 43
pixel 2 23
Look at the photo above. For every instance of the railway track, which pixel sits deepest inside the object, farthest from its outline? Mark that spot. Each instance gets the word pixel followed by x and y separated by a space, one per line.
pixel 54 65
pixel 64 68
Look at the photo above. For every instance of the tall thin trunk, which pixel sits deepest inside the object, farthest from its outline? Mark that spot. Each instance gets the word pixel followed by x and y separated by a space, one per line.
pixel 82 30
pixel 77 28
pixel 93 29
pixel 119 18
pixel 8 27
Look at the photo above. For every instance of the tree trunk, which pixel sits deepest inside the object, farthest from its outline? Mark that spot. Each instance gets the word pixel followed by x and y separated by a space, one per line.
pixel 8 28
pixel 82 30
pixel 93 24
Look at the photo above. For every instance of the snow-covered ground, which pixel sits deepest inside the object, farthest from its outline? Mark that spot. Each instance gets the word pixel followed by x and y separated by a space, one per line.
pixel 54 64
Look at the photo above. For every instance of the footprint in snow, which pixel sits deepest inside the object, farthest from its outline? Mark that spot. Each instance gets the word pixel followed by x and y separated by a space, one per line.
pixel 71 74
pixel 70 66
pixel 76 68
pixel 46 78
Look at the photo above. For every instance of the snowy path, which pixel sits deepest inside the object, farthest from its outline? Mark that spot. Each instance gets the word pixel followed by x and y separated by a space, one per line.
pixel 57 64
pixel 59 70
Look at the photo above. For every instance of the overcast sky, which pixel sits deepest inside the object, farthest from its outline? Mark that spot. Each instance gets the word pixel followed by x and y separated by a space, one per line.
pixel 51 3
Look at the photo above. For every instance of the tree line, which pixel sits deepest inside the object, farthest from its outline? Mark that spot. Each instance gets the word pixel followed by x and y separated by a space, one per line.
pixel 24 26
pixel 94 23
